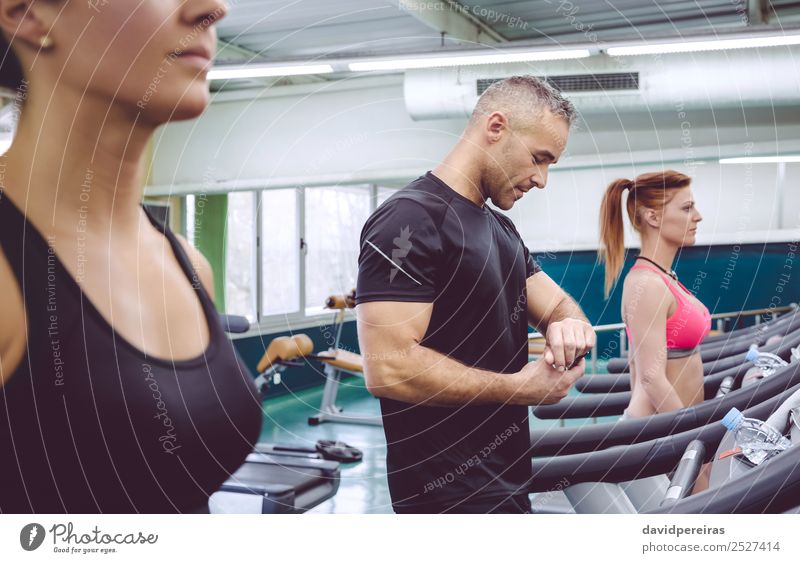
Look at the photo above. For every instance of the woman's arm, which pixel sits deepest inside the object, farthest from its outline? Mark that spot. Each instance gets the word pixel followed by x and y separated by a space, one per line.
pixel 646 303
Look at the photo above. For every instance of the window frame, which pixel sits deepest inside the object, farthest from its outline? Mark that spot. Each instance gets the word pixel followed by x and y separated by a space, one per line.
pixel 265 324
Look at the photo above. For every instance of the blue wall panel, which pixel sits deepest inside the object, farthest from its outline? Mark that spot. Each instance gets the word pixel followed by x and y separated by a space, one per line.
pixel 725 278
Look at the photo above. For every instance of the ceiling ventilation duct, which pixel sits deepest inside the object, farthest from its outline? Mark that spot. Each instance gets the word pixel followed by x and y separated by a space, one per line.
pixel 678 82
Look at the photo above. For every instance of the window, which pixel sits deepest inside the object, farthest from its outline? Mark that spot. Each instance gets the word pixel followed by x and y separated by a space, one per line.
pixel 240 295
pixel 280 252
pixel 188 216
pixel 333 221
pixel 267 275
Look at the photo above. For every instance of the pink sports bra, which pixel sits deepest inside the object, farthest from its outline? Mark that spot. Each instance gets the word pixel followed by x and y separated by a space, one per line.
pixel 688 325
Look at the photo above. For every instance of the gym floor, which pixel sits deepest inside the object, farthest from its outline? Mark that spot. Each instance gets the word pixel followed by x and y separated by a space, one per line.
pixel 363 488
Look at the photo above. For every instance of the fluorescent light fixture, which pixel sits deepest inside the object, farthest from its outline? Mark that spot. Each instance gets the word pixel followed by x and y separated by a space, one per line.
pixel 460 60
pixel 260 71
pixel 761 159
pixel 709 45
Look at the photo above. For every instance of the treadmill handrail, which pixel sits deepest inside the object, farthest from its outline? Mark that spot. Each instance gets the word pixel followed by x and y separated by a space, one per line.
pixel 561 441
pixel 589 405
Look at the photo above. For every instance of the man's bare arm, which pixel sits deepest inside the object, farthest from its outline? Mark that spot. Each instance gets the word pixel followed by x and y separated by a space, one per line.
pixel 568 333
pixel 397 366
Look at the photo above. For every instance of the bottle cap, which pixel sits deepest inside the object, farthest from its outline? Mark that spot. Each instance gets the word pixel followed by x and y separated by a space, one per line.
pixel 752 355
pixel 732 419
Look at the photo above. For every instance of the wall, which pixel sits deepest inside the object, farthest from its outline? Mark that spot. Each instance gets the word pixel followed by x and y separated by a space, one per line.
pixel 725 278
pixel 739 202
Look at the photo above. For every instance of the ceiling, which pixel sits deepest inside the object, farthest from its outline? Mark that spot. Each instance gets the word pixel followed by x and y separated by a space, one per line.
pixel 280 30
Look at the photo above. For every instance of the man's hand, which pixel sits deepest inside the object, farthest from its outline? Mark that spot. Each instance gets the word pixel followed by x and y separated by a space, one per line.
pixel 538 383
pixel 567 341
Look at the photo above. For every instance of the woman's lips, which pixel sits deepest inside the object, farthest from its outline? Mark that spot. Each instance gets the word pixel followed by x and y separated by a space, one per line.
pixel 196 60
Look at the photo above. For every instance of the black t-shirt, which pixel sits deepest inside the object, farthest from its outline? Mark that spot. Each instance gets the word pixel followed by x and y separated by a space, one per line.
pixel 427 243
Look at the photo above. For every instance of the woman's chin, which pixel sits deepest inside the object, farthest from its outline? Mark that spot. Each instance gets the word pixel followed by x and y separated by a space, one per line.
pixel 191 106
pixel 690 240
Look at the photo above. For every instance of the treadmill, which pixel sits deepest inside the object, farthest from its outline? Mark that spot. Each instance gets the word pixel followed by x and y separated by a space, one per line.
pixel 657 475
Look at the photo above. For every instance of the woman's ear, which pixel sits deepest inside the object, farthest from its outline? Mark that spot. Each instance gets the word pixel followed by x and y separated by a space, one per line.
pixel 20 22
pixel 651 217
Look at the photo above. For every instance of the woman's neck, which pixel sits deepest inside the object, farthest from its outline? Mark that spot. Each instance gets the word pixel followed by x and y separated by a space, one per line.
pixel 660 252
pixel 77 157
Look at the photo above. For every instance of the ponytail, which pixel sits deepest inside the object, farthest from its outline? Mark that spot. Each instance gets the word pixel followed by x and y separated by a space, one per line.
pixel 612 233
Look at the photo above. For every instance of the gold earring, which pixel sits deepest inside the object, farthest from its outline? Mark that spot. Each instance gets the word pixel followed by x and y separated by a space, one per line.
pixel 45 42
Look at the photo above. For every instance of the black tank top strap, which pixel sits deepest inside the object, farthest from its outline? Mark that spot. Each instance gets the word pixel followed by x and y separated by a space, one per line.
pixel 15 236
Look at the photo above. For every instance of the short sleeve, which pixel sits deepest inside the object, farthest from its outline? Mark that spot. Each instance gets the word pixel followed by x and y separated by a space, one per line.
pixel 532 266
pixel 400 252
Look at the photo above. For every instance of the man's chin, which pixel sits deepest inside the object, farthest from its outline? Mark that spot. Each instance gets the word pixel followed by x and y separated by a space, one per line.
pixel 503 204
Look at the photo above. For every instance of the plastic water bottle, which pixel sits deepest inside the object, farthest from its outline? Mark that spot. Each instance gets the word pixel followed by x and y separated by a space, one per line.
pixel 758 440
pixel 768 363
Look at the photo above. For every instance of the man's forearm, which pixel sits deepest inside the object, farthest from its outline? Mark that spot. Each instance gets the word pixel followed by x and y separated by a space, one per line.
pixel 427 376
pixel 567 308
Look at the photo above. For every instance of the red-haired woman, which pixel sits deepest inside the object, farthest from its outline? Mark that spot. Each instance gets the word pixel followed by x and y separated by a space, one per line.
pixel 665 322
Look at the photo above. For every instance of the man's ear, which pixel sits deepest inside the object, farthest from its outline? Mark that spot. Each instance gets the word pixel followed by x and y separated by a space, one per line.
pixel 496 126
pixel 19 22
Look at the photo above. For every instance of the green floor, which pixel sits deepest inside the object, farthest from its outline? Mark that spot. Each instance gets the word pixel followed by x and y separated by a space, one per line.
pixel 363 486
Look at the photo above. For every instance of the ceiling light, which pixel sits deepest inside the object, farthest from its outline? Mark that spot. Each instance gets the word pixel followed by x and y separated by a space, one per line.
pixel 460 60
pixel 260 71
pixel 709 45
pixel 760 159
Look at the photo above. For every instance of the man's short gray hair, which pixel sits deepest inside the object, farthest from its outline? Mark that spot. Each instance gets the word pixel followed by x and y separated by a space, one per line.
pixel 520 98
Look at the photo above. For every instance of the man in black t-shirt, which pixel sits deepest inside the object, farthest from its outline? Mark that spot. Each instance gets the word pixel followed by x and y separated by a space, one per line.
pixel 446 290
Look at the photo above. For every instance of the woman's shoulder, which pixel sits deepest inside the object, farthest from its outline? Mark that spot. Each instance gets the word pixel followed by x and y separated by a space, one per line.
pixel 645 279
pixel 645 290
pixel 12 321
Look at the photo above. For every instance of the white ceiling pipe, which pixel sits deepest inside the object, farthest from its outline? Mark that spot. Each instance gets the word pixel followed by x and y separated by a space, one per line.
pixel 685 81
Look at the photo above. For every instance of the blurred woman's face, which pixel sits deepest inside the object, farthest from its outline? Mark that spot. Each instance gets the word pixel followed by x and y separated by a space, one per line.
pixel 679 218
pixel 149 56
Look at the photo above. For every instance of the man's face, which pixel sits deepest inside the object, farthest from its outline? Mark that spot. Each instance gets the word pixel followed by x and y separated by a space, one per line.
pixel 520 160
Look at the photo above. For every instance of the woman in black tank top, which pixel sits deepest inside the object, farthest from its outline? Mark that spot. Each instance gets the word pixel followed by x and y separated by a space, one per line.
pixel 119 391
